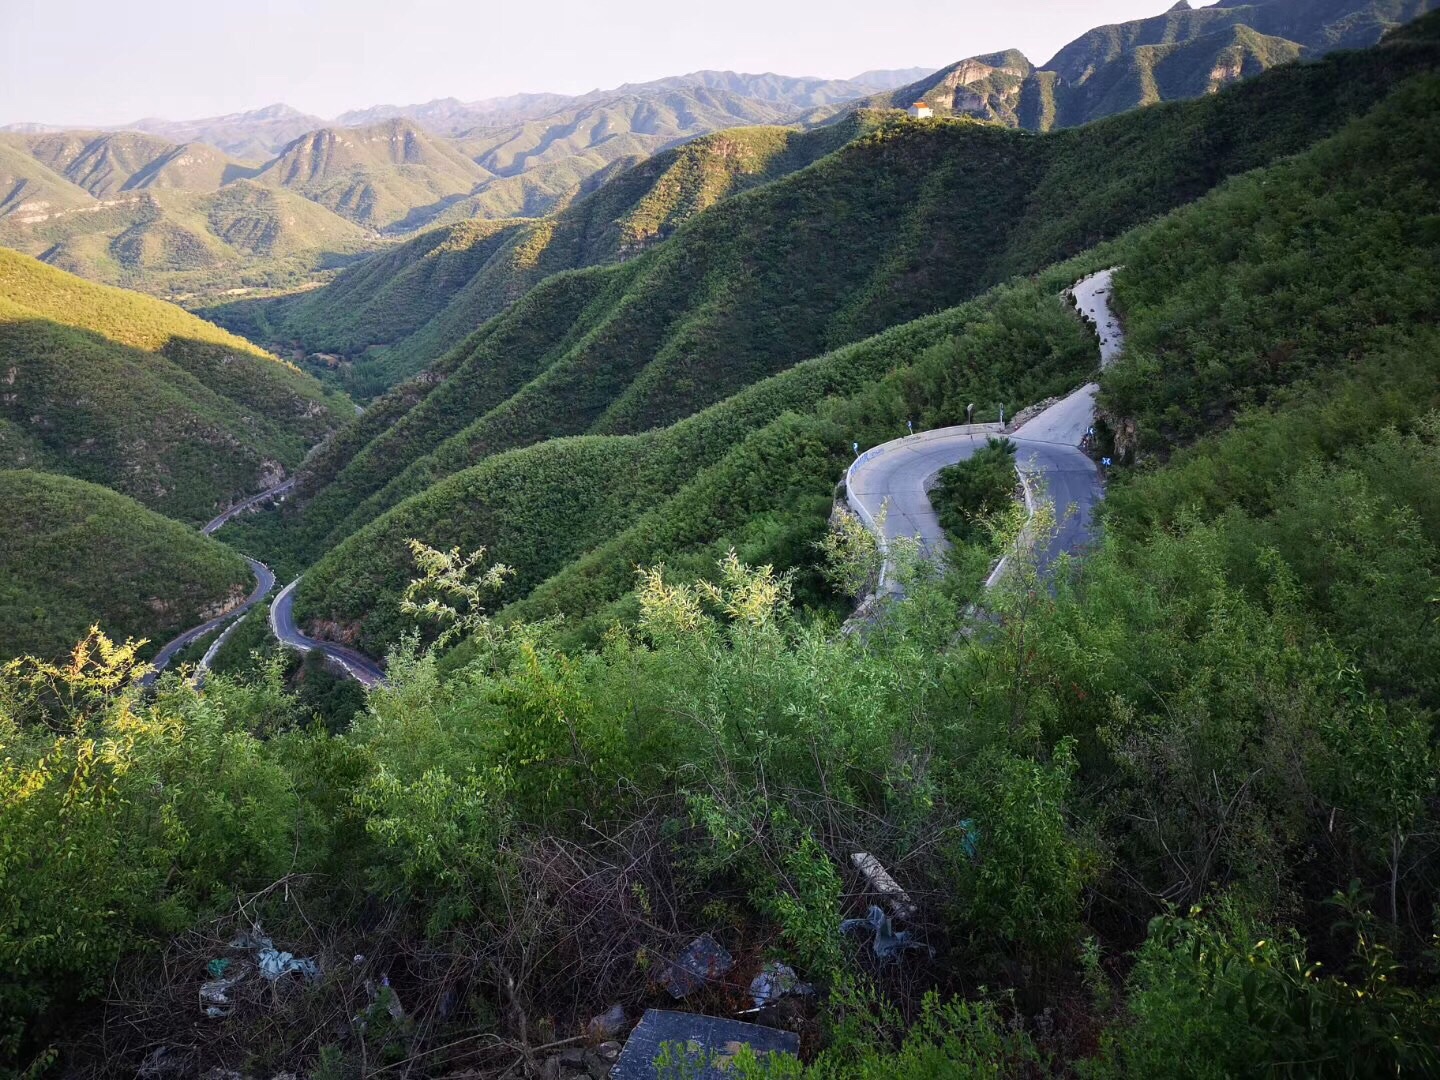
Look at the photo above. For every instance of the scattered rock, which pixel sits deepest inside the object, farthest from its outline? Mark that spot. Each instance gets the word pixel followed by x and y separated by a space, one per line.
pixel 608 1025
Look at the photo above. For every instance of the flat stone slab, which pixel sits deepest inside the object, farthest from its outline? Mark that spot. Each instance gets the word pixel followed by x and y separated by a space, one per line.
pixel 707 1045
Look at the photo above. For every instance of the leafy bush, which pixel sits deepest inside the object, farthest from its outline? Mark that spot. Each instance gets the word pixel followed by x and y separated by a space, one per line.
pixel 970 493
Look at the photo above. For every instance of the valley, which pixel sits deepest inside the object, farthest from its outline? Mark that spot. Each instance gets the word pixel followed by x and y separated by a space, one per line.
pixel 931 573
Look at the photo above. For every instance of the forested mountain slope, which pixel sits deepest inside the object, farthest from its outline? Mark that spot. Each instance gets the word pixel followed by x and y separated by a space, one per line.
pixel 912 217
pixel 375 176
pixel 493 502
pixel 75 554
pixel 1184 53
pixel 133 393
pixel 396 311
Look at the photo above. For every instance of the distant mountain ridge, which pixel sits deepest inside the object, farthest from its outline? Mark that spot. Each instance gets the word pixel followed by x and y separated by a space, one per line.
pixel 1182 53
pixel 131 208
pixel 136 208
pixel 259 134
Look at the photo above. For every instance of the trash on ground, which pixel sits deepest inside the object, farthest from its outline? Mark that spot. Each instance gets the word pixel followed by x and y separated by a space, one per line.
pixel 159 1062
pixel 882 884
pixel 577 1062
pixel 703 961
pixel 272 962
pixel 776 981
pixel 609 1024
pixel 383 994
pixel 215 1000
pixel 695 1046
pixel 889 944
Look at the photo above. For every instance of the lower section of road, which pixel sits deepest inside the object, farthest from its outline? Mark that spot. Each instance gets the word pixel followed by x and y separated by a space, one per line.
pixel 264 582
pixel 352 661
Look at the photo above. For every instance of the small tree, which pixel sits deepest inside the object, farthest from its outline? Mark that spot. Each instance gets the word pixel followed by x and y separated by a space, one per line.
pixel 852 555
pixel 451 589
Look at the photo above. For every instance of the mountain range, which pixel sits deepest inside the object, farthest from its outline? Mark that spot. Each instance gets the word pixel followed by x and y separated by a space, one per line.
pixel 81 199
pixel 75 198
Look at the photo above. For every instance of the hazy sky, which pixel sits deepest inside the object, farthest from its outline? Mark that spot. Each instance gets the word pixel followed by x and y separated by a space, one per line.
pixel 102 62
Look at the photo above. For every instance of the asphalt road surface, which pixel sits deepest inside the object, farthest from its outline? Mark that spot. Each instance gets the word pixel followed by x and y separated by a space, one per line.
pixel 894 478
pixel 240 507
pixel 355 663
pixel 264 582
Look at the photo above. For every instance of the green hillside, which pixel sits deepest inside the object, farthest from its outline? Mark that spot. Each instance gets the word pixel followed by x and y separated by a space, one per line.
pixel 126 391
pixel 102 163
pixel 75 554
pixel 378 176
pixel 169 242
pixel 403 307
pixel 31 190
pixel 909 218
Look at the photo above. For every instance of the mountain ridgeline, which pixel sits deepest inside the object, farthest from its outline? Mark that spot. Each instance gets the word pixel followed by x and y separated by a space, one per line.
pixel 137 209
pixel 142 208
pixel 1184 53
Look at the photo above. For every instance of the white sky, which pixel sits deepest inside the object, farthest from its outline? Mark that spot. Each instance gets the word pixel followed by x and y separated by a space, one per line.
pixel 108 62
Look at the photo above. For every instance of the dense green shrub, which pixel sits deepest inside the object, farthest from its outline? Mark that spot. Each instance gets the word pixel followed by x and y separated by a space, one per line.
pixel 972 492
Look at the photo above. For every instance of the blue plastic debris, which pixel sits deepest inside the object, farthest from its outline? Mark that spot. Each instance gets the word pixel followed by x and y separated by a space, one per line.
pixel 889 944
pixel 970 842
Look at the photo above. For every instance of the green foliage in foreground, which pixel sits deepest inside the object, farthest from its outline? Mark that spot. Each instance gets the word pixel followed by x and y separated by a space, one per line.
pixel 73 554
pixel 1150 734
pixel 972 492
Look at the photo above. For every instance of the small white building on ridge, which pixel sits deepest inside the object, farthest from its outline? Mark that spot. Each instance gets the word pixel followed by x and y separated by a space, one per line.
pixel 920 111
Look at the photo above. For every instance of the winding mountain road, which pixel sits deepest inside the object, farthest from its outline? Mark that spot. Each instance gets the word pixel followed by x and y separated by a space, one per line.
pixel 249 504
pixel 264 582
pixel 282 618
pixel 894 478
pixel 356 664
